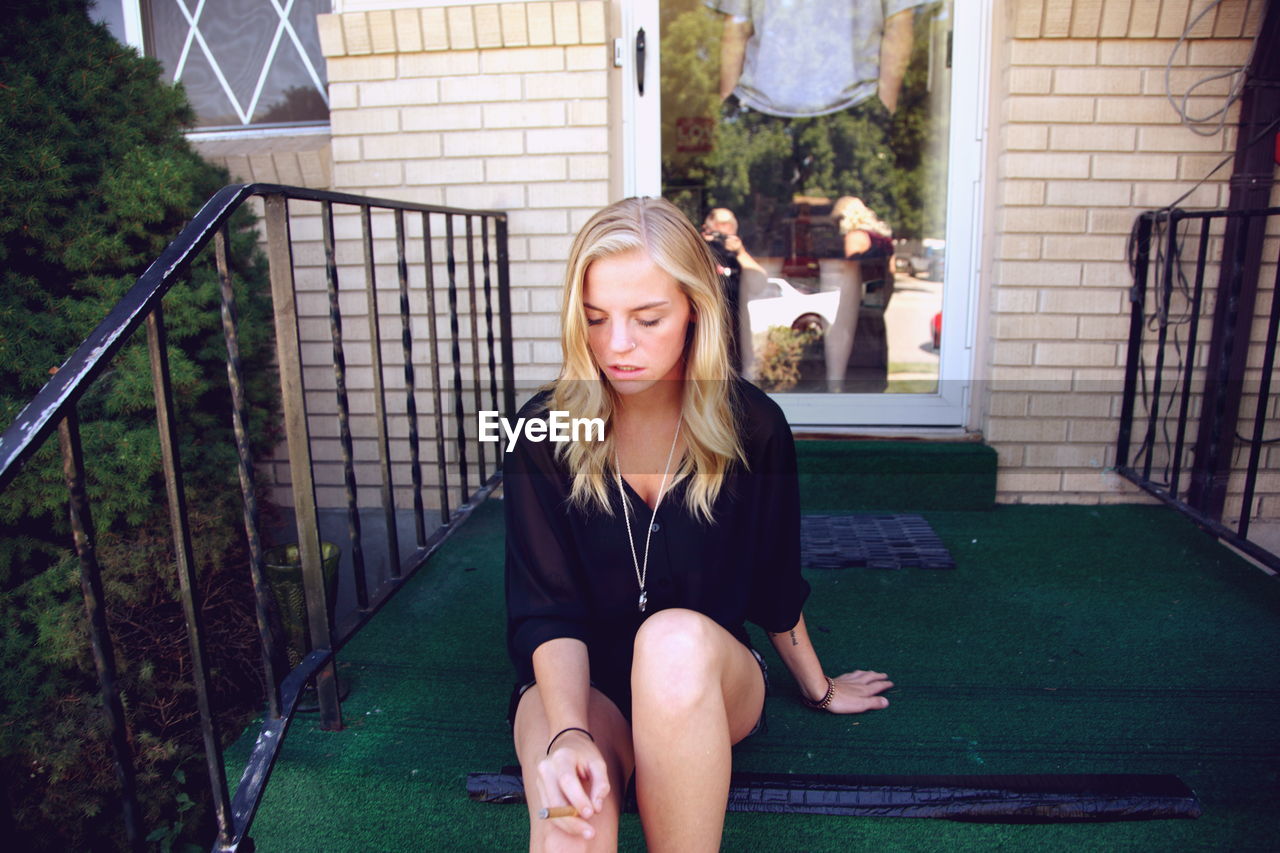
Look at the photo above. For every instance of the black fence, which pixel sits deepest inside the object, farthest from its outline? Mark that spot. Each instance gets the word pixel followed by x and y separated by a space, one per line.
pixel 1198 418
pixel 474 245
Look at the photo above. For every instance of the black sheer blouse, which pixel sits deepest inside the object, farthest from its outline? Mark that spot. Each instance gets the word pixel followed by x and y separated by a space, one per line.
pixel 570 573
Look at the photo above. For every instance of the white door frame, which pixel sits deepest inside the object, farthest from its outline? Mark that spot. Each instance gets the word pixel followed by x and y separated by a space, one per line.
pixel 949 406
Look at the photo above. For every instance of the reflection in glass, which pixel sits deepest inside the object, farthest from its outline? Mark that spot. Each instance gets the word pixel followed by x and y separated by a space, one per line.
pixel 810 139
pixel 242 62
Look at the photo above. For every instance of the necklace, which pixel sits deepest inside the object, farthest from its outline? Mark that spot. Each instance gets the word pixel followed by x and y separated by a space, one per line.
pixel 642 570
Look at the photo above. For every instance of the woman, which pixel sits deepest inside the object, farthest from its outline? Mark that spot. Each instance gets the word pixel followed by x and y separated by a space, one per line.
pixel 868 247
pixel 747 282
pixel 633 562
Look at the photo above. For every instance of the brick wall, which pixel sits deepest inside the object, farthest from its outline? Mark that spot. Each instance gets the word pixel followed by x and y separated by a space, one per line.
pixel 491 106
pixel 497 106
pixel 1087 140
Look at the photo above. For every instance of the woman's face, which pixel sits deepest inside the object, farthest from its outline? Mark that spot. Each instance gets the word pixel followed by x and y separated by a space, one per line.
pixel 637 319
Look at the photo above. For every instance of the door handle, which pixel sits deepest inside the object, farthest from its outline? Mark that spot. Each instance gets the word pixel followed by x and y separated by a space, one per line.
pixel 640 60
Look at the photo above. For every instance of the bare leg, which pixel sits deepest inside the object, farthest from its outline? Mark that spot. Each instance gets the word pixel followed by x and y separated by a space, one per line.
pixel 696 691
pixel 838 341
pixel 612 735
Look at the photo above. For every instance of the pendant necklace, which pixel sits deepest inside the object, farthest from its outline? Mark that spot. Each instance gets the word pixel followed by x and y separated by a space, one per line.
pixel 642 570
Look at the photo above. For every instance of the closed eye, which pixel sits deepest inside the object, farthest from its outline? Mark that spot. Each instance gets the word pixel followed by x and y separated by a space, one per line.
pixel 646 323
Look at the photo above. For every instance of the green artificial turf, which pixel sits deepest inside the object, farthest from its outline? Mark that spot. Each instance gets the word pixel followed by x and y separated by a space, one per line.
pixel 894 476
pixel 1112 639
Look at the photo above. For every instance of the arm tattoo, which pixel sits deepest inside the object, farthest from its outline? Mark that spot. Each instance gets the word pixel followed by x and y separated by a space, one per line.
pixel 794 640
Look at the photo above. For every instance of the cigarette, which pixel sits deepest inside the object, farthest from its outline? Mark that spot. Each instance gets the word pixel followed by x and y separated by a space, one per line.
pixel 557 811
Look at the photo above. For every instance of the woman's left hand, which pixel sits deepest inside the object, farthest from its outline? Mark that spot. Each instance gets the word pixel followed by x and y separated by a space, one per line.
pixel 859 691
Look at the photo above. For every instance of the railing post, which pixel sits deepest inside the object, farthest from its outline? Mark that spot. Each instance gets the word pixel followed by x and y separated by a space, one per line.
pixel 1165 294
pixel 1188 374
pixel 380 396
pixel 1137 303
pixel 504 317
pixel 355 535
pixel 1264 402
pixel 1224 381
pixel 433 340
pixel 1252 183
pixel 410 385
pixel 185 563
pixel 488 329
pixel 298 437
pixel 459 411
pixel 96 611
pixel 474 311
pixel 248 487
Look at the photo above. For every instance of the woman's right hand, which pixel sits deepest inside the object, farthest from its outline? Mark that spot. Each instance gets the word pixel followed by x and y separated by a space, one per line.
pixel 574 774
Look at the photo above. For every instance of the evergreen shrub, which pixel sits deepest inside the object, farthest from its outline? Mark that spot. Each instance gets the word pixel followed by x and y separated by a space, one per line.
pixel 97 178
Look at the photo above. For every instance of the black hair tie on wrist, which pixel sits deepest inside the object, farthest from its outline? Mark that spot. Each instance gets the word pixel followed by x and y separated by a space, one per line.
pixel 570 729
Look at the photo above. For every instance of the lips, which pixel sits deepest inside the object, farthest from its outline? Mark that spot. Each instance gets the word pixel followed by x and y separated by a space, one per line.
pixel 624 369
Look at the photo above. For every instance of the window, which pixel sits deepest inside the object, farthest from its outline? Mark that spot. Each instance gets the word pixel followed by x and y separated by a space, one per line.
pixel 843 358
pixel 243 63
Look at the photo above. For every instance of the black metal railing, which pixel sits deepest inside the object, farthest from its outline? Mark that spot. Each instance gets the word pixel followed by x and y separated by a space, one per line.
pixel 1198 375
pixel 55 408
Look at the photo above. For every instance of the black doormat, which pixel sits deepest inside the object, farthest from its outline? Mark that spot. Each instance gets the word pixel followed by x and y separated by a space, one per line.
pixel 871 541
pixel 1035 798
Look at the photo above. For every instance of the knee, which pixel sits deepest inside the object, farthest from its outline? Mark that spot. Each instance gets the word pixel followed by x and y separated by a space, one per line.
pixel 545 839
pixel 674 662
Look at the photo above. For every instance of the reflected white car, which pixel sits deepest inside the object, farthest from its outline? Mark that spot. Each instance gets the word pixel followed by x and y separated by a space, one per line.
pixel 792 308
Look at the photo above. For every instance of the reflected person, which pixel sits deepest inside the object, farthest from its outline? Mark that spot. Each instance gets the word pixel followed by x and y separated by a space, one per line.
pixel 768 47
pixel 745 279
pixel 868 249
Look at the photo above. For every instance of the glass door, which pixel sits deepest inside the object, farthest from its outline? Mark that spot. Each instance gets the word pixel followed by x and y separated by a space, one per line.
pixel 830 152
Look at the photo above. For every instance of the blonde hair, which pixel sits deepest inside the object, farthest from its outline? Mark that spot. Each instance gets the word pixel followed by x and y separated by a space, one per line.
pixel 854 215
pixel 708 408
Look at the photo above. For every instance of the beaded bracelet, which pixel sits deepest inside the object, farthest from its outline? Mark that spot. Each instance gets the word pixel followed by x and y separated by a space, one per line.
pixel 825 701
pixel 570 729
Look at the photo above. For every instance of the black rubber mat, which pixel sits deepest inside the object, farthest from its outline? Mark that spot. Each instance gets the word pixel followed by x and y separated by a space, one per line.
pixel 871 541
pixel 1038 798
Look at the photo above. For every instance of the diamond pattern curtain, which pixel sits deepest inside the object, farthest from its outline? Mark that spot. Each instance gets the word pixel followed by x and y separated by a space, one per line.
pixel 242 62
